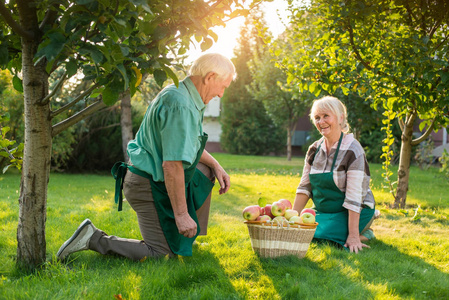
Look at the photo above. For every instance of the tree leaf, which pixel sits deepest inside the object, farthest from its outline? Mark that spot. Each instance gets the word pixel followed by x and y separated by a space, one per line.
pixel 110 96
pixel 160 76
pixel 17 83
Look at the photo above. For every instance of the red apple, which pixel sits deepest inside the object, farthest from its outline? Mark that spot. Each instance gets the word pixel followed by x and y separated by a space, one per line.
pixel 308 218
pixel 290 213
pixel 287 203
pixel 267 211
pixel 251 213
pixel 278 208
pixel 309 210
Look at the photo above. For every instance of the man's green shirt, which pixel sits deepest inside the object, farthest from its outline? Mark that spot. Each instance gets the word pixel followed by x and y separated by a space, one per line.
pixel 170 130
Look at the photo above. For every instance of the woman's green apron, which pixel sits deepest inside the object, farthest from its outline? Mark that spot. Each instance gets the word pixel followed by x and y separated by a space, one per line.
pixel 328 201
pixel 198 188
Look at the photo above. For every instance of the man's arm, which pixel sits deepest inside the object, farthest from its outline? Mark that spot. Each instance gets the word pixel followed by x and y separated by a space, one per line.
pixel 221 175
pixel 174 182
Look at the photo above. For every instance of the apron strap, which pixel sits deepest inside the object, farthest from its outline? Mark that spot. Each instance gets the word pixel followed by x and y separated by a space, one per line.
pixel 336 152
pixel 119 171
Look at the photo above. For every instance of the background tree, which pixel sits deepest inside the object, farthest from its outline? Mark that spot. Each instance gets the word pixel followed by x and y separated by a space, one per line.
pixel 102 42
pixel 394 52
pixel 269 87
pixel 246 126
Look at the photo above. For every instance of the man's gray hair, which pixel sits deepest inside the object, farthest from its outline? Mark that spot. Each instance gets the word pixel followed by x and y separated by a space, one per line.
pixel 213 62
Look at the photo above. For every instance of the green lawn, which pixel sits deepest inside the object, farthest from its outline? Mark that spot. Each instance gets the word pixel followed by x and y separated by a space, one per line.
pixel 408 260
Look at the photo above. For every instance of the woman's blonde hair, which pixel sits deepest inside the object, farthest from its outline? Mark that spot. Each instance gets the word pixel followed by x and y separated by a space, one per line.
pixel 333 105
pixel 213 62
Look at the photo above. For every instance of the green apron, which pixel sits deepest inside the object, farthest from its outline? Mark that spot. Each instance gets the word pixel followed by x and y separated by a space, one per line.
pixel 328 201
pixel 197 186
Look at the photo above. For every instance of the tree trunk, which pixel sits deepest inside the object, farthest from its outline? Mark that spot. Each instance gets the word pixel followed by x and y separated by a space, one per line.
pixel 289 144
pixel 290 132
pixel 31 244
pixel 404 163
pixel 126 122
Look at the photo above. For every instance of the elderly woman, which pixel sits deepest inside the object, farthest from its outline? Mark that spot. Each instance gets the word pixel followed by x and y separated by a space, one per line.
pixel 336 176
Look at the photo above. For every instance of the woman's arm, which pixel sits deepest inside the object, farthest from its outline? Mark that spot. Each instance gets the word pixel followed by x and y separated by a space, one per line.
pixel 353 241
pixel 300 202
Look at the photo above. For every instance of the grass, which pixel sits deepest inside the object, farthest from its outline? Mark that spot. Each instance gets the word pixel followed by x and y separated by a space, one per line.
pixel 408 260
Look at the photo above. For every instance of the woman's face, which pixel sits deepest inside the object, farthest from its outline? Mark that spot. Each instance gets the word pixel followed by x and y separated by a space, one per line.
pixel 327 123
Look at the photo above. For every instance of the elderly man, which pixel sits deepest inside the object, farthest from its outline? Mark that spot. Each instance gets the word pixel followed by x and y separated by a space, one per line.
pixel 170 176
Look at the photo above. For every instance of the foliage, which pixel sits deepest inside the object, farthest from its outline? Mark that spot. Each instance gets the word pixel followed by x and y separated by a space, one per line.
pixel 408 260
pixel 10 151
pixel 104 42
pixel 246 126
pixel 423 155
pixel 11 124
pixel 444 160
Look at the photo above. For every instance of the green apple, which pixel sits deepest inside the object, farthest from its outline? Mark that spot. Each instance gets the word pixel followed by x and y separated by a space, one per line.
pixel 308 218
pixel 279 220
pixel 264 219
pixel 290 213
pixel 295 220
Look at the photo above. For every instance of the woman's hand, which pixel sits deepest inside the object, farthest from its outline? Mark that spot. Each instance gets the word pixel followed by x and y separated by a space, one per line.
pixel 354 244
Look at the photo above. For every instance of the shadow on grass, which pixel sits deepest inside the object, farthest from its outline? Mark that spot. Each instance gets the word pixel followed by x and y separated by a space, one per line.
pixel 104 277
pixel 382 271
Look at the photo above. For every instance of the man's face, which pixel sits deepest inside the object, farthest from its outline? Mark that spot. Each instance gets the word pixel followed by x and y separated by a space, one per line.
pixel 215 87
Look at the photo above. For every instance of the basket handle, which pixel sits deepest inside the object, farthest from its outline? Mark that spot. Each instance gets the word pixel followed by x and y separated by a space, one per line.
pixel 279 224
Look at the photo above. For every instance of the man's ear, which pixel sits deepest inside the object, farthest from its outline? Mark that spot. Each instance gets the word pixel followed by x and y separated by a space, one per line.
pixel 208 77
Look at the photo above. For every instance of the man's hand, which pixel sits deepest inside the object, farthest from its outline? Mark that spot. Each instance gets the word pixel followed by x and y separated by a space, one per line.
pixel 186 225
pixel 223 178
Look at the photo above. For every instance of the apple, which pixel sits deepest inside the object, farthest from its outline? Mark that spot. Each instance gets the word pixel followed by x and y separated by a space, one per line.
pixel 287 203
pixel 290 213
pixel 278 208
pixel 308 218
pixel 309 210
pixel 251 213
pixel 267 211
pixel 264 219
pixel 279 219
pixel 295 219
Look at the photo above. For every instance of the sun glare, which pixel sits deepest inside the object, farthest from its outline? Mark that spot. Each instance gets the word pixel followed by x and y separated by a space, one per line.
pixel 276 15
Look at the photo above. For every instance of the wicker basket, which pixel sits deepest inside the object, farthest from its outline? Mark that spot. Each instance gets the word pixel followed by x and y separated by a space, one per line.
pixel 274 240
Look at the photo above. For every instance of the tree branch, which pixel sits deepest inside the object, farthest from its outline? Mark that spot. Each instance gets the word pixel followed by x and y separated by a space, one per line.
pixel 49 17
pixel 425 135
pixel 6 14
pixel 401 124
pixel 61 126
pixel 76 100
pixel 47 98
